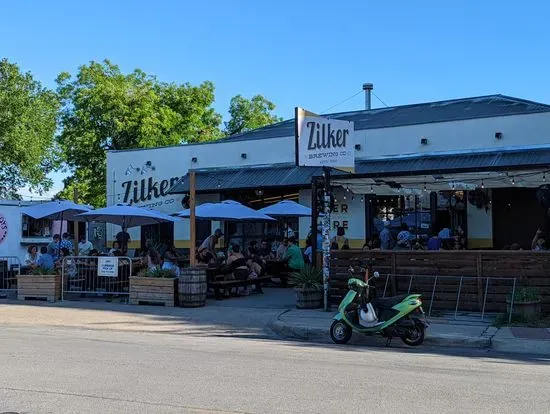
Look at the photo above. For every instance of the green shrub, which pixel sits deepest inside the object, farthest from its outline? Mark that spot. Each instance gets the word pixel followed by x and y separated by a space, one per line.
pixel 42 271
pixel 309 277
pixel 525 294
pixel 158 272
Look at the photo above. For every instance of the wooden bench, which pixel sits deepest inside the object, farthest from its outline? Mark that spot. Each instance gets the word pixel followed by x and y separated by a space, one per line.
pixel 220 286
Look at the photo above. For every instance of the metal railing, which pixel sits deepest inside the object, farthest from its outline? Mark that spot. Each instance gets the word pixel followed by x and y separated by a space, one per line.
pixel 10 268
pixel 92 276
pixel 485 282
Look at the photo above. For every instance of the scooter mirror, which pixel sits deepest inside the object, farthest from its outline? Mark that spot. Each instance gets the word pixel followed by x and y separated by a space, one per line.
pixel 376 274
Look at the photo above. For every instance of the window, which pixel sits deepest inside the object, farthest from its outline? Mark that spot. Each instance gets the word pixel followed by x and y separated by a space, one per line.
pixel 35 228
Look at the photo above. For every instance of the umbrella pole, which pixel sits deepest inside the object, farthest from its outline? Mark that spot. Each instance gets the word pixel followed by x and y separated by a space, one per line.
pixel 192 219
pixel 60 235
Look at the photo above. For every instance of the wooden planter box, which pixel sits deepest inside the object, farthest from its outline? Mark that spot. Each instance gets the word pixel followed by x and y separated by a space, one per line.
pixel 39 287
pixel 153 291
pixel 308 298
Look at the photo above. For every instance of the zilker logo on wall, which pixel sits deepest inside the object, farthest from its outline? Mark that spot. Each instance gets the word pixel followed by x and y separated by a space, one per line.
pixel 151 193
pixel 3 228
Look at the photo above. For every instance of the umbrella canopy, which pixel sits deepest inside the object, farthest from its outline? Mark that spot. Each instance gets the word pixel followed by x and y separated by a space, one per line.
pixel 126 216
pixel 55 210
pixel 286 208
pixel 227 210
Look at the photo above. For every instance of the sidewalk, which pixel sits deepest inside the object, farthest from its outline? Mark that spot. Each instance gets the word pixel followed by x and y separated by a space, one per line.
pixel 314 326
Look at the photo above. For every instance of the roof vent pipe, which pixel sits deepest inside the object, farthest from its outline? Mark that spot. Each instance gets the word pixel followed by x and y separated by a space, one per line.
pixel 368 87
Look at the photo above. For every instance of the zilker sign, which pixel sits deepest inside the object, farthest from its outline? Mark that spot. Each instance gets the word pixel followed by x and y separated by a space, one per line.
pixel 148 189
pixel 324 142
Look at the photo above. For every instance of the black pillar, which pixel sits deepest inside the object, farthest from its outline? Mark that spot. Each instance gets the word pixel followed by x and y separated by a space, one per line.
pixel 370 231
pixel 433 211
pixel 314 215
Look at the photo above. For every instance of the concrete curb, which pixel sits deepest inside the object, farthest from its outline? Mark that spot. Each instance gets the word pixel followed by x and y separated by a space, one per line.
pixel 303 332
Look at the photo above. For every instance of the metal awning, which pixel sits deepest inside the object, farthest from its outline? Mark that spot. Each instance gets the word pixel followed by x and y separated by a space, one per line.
pixel 423 168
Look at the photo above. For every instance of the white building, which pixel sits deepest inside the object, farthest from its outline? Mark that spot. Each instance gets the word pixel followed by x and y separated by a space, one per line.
pixel 419 163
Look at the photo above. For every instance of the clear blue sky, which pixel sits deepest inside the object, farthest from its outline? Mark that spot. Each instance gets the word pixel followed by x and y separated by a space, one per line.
pixel 308 53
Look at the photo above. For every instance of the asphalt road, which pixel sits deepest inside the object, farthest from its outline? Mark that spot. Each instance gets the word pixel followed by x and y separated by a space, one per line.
pixel 68 370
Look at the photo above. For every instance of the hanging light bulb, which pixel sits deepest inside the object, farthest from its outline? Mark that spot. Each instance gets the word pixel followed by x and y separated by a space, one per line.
pixel 219 184
pixel 482 184
pixel 347 189
pixel 454 186
pixel 425 188
pixel 371 189
pixel 345 198
pixel 513 181
pixel 362 199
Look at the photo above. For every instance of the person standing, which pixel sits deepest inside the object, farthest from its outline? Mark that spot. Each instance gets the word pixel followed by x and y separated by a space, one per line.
pixel 294 256
pixel 386 239
pixel 207 250
pixel 123 237
pixel 66 243
pixel 84 246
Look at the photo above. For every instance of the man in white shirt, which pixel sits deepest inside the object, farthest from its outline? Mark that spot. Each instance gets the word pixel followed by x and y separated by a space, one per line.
pixel 84 246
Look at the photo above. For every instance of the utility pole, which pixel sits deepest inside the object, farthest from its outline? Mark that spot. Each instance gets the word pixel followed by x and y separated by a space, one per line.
pixel 75 223
pixel 192 220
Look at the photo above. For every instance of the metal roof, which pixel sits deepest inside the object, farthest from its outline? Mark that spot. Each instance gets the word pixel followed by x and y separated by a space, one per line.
pixel 285 175
pixel 423 113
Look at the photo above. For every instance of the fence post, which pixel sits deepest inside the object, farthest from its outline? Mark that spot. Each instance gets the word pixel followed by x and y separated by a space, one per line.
pixel 512 303
pixel 458 296
pixel 485 299
pixel 432 300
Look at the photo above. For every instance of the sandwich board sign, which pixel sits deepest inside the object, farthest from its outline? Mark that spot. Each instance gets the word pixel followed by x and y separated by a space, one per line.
pixel 324 142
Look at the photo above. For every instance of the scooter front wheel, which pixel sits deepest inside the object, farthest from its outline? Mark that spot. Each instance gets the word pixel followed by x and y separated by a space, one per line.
pixel 340 332
pixel 414 336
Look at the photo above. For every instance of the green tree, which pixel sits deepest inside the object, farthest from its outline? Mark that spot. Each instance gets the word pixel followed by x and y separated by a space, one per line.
pixel 247 114
pixel 27 132
pixel 105 109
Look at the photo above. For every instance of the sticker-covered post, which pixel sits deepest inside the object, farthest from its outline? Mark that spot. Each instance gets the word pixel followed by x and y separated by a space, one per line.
pixel 328 143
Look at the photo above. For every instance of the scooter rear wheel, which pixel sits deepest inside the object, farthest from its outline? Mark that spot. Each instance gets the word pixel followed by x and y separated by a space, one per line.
pixel 414 336
pixel 340 332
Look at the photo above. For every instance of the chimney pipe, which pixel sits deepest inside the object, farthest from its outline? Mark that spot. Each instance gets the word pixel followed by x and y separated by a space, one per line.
pixel 368 87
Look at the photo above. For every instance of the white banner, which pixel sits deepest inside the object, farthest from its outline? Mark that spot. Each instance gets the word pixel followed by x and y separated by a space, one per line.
pixel 107 266
pixel 324 142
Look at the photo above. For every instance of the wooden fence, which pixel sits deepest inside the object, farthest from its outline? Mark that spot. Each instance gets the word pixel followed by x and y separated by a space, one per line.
pixel 487 276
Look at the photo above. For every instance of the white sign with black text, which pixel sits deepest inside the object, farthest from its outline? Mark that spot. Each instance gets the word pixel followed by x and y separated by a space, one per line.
pixel 324 142
pixel 107 266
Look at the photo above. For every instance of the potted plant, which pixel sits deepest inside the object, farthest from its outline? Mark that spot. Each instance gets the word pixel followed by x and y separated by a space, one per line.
pixel 308 287
pixel 41 283
pixel 525 303
pixel 154 286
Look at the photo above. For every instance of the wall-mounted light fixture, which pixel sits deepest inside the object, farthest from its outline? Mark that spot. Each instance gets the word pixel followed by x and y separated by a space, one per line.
pixel 130 169
pixel 146 167
pixel 194 159
pixel 498 135
pixel 424 141
pixel 243 155
pixel 259 192
pixel 358 147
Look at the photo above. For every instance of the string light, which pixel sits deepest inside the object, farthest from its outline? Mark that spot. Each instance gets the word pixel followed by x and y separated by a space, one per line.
pixel 219 184
pixel 425 188
pixel 362 199
pixel 345 198
pixel 482 184
pixel 453 187
pixel 513 181
pixel 371 189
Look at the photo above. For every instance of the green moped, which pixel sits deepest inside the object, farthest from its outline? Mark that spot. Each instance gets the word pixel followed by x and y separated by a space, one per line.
pixel 360 311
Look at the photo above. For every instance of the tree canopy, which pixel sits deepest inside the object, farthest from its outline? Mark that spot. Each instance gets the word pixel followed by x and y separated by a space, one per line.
pixel 247 114
pixel 104 109
pixel 27 132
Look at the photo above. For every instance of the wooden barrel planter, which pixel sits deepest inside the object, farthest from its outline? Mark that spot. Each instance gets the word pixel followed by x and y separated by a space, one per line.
pixel 308 298
pixel 41 287
pixel 192 287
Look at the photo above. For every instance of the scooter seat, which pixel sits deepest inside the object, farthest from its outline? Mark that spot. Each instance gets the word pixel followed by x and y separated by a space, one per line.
pixel 388 303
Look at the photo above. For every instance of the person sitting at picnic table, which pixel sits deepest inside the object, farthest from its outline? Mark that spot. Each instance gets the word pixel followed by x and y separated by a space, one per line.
pixel 84 246
pixel 115 249
pixel 171 260
pixel 123 237
pixel 294 256
pixel 206 253
pixel 281 251
pixel 265 250
pixel 435 243
pixel 32 256
pixel 236 265
pixel 253 249
pixel 45 261
pixel 153 259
